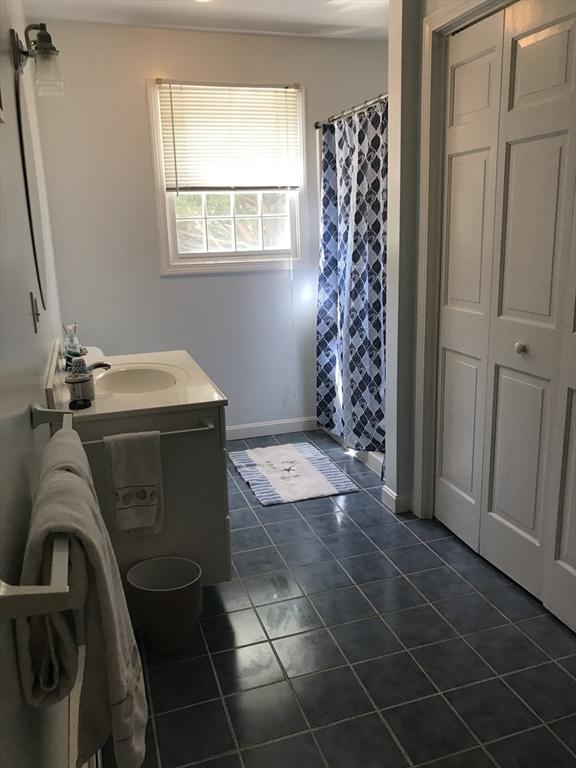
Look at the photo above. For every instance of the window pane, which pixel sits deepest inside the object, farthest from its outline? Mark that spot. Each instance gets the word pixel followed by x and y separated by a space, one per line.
pixel 274 202
pixel 246 204
pixel 220 235
pixel 191 236
pixel 218 204
pixel 248 235
pixel 276 233
pixel 188 205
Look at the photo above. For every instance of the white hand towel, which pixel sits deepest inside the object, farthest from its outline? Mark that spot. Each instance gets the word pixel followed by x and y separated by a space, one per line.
pixel 112 698
pixel 136 468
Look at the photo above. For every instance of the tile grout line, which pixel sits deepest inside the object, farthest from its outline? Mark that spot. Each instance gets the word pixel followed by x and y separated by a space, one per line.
pixel 428 602
pixel 408 575
pixel 532 728
pixel 458 634
pixel 496 675
pixel 564 658
pixel 270 642
pixel 474 590
pixel 206 761
pixel 463 637
pixel 434 685
pixel 210 653
pixel 150 703
pixel 344 665
pixel 403 751
pixel 477 592
pixel 281 666
pixel 436 761
pixel 222 702
pixel 389 730
pixel 288 679
pixel 326 627
pixel 351 719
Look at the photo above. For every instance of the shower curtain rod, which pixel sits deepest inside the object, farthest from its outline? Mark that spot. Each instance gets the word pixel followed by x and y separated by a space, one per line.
pixel 351 111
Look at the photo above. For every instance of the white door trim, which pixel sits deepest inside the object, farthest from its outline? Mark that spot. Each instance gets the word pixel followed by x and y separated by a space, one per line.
pixel 435 28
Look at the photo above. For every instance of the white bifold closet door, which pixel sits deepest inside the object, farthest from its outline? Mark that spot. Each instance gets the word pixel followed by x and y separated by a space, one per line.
pixel 506 455
pixel 471 150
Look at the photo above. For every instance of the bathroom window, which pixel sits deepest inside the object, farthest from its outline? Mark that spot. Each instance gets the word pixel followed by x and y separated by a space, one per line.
pixel 253 221
pixel 229 171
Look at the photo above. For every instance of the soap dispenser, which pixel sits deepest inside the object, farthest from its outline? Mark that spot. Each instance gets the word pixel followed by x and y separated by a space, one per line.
pixel 72 347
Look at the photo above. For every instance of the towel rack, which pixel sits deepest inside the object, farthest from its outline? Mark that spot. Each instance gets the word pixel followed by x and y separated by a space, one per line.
pixel 32 600
pixel 207 426
pixel 20 601
pixel 40 415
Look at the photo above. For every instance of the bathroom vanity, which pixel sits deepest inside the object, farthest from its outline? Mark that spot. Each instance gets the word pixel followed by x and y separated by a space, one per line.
pixel 169 392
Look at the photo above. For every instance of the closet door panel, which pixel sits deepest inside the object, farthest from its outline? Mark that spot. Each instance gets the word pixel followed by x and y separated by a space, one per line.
pixel 465 224
pixel 534 178
pixel 458 427
pixel 559 594
pixel 534 205
pixel 542 64
pixel 517 475
pixel 470 88
pixel 567 518
pixel 473 87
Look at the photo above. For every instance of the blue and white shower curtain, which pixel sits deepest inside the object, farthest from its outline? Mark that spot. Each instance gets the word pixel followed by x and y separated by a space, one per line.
pixel 351 326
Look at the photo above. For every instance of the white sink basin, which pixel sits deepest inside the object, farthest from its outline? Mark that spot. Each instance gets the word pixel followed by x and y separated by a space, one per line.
pixel 135 380
pixel 149 382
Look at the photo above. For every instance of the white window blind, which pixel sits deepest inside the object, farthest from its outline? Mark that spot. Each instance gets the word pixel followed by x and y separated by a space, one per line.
pixel 230 137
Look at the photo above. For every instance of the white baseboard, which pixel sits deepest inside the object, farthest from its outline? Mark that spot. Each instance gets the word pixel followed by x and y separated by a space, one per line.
pixel 373 459
pixel 395 502
pixel 261 428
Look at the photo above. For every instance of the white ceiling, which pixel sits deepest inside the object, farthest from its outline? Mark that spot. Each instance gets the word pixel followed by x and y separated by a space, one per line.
pixel 317 18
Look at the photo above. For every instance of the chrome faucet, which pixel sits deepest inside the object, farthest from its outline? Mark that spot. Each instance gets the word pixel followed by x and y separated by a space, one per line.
pixel 100 364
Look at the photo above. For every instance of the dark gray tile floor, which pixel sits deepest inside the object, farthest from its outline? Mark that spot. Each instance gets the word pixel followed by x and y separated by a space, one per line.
pixel 353 638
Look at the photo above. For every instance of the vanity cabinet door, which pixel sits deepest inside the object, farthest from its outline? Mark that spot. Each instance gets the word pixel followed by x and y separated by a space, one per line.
pixel 196 521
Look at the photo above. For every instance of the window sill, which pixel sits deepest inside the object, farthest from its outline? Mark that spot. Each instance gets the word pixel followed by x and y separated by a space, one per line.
pixel 236 264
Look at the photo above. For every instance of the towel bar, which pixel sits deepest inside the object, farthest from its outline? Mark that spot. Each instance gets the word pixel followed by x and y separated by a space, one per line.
pixel 40 415
pixel 18 602
pixel 33 600
pixel 206 427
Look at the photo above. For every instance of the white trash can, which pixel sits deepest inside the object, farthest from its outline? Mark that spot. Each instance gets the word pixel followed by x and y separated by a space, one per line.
pixel 166 596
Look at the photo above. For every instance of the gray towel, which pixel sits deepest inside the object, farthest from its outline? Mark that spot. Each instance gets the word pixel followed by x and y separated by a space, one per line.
pixel 136 468
pixel 112 698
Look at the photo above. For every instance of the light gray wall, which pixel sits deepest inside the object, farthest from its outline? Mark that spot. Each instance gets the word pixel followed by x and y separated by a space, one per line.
pixel 254 333
pixel 431 6
pixel 404 68
pixel 29 737
pixel 403 150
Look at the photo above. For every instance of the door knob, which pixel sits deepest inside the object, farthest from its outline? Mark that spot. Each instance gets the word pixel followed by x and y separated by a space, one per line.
pixel 520 347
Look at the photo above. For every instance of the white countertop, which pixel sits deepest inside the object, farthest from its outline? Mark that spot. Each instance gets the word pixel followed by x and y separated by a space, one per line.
pixel 192 389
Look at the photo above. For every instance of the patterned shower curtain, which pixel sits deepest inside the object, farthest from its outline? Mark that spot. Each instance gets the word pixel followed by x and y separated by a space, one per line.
pixel 351 324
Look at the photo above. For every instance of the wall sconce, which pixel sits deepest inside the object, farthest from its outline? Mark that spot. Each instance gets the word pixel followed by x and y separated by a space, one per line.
pixel 48 79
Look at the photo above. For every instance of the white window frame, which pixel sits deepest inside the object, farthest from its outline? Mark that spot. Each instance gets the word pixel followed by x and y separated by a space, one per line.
pixel 174 263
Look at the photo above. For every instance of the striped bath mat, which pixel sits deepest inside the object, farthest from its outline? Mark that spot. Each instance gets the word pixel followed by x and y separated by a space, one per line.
pixel 294 472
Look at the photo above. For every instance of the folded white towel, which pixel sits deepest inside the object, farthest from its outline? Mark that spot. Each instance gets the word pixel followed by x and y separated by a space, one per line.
pixel 62 453
pixel 136 468
pixel 112 698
